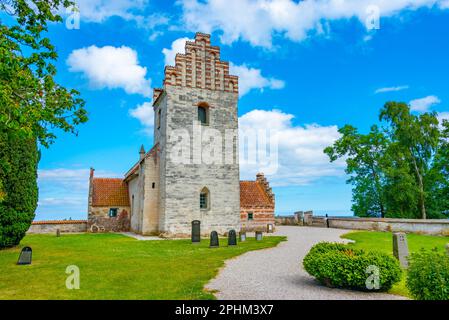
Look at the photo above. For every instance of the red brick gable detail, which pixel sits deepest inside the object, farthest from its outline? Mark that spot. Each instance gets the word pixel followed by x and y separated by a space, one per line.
pixel 107 192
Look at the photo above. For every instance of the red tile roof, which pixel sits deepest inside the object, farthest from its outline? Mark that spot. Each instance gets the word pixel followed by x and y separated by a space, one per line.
pixel 109 192
pixel 253 195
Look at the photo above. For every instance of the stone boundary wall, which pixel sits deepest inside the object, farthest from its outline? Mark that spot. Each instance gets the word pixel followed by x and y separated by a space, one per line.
pixel 430 226
pixel 65 226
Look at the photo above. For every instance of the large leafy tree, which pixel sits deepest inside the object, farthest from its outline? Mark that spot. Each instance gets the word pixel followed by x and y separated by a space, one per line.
pixel 417 139
pixel 32 103
pixel 401 170
pixel 364 155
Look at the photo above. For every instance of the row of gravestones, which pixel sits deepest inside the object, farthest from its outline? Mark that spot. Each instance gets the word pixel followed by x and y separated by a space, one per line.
pixel 214 240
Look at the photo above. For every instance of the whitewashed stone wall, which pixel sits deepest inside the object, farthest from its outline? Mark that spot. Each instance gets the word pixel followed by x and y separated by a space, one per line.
pixel 181 183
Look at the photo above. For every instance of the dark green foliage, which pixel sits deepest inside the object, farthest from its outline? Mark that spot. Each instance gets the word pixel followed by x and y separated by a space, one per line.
pixel 337 265
pixel 19 158
pixel 32 106
pixel 401 170
pixel 428 275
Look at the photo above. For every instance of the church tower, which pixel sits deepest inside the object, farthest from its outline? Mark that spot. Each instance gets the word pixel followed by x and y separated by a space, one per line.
pixel 196 134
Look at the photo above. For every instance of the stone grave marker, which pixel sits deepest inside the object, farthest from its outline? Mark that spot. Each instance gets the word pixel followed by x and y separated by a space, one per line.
pixel 258 235
pixel 196 231
pixel 400 248
pixel 232 238
pixel 242 236
pixel 270 228
pixel 58 232
pixel 214 242
pixel 25 256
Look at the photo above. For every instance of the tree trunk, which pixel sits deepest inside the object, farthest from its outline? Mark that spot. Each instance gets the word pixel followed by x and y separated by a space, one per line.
pixel 421 191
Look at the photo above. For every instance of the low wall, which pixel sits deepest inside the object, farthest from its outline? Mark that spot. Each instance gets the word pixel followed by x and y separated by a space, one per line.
pixel 430 226
pixel 65 226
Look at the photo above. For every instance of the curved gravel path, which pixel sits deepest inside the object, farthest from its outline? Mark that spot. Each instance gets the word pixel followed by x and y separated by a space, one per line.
pixel 277 273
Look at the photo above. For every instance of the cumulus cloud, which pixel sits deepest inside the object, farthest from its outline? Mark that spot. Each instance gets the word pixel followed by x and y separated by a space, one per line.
pixel 300 148
pixel 252 78
pixel 257 21
pixel 145 114
pixel 424 104
pixel 177 46
pixel 63 192
pixel 111 67
pixel 443 116
pixel 249 78
pixel 391 89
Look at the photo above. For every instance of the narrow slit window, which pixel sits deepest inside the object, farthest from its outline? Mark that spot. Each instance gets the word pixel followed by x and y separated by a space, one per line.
pixel 204 199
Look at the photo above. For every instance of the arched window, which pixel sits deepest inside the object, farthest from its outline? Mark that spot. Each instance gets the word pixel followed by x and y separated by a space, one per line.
pixel 204 199
pixel 203 113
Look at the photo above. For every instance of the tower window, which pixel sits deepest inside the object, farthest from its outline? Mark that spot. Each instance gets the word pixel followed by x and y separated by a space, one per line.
pixel 250 216
pixel 159 119
pixel 203 113
pixel 204 199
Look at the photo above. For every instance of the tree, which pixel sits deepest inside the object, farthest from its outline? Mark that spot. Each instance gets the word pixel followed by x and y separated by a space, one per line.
pixel 364 155
pixel 18 207
pixel 32 105
pixel 401 170
pixel 418 140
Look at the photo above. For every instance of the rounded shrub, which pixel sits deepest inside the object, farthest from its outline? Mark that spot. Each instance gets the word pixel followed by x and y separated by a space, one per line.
pixel 337 265
pixel 428 275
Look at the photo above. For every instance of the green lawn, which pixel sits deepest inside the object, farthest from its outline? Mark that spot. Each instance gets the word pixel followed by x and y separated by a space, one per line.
pixel 114 266
pixel 383 241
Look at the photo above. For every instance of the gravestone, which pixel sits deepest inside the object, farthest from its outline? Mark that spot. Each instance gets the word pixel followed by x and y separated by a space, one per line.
pixel 270 228
pixel 58 233
pixel 196 231
pixel 232 238
pixel 258 235
pixel 214 243
pixel 400 248
pixel 25 256
pixel 242 236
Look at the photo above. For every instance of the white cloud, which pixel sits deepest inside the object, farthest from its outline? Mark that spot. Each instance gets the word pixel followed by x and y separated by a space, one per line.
pixel 177 46
pixel 391 89
pixel 145 114
pixel 300 148
pixel 443 116
pixel 423 104
pixel 257 21
pixel 111 67
pixel 64 191
pixel 251 78
pixel 101 10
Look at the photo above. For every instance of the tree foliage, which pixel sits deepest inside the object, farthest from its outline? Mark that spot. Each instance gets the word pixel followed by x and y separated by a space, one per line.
pixel 400 169
pixel 32 106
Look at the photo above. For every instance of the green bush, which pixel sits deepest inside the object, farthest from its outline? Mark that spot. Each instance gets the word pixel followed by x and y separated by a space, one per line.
pixel 428 275
pixel 337 265
pixel 18 172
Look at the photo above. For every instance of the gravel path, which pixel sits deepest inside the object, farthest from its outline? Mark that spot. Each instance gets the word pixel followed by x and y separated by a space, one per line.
pixel 277 273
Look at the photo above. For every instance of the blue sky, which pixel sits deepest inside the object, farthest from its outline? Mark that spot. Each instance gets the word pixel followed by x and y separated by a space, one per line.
pixel 307 68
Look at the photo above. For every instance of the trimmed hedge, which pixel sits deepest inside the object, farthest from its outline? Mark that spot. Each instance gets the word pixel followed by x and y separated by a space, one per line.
pixel 337 265
pixel 428 275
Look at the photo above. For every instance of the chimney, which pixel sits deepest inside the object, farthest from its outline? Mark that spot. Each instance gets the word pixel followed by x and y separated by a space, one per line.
pixel 92 171
pixel 142 152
